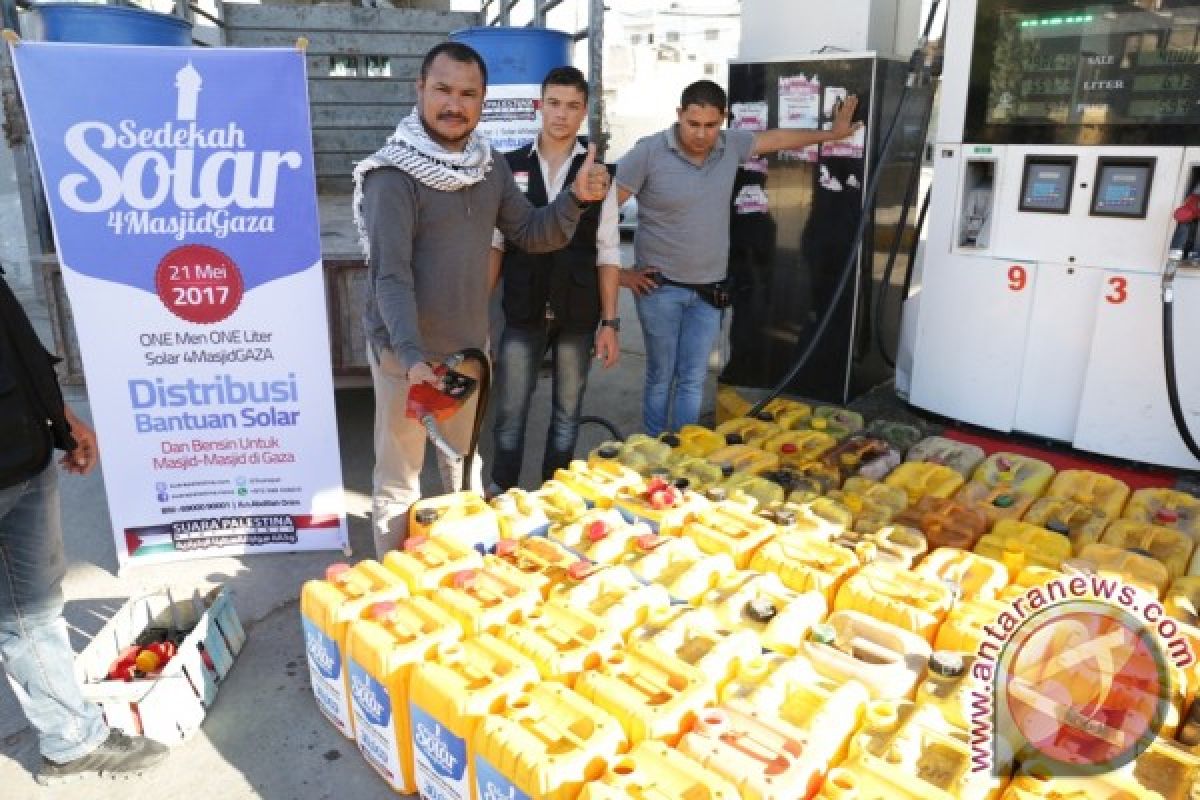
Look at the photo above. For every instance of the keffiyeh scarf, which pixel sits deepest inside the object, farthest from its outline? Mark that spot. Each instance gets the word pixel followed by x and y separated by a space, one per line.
pixel 411 149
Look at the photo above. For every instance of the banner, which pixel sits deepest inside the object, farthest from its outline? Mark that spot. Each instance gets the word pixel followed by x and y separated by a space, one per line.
pixel 512 115
pixel 182 192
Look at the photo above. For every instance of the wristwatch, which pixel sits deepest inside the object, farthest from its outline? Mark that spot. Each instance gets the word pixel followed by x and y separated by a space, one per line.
pixel 614 323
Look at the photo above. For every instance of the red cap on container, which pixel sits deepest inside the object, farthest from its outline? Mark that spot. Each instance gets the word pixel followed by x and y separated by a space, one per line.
pixel 597 530
pixel 335 571
pixel 647 542
pixel 506 547
pixel 465 579
pixel 414 543
pixel 1168 516
pixel 384 609
pixel 788 448
pixel 580 569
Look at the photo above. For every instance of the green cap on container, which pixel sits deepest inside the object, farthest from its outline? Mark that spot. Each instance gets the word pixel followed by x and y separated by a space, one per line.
pixel 824 633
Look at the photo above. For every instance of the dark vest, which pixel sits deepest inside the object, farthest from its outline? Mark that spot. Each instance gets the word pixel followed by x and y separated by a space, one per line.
pixel 565 280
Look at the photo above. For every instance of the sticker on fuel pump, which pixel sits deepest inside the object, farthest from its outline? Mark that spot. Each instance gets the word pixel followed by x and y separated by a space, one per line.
pixel 749 116
pixel 853 147
pixel 800 108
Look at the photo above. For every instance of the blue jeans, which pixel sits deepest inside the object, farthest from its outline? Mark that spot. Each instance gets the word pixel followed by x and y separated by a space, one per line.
pixel 34 648
pixel 517 365
pixel 680 329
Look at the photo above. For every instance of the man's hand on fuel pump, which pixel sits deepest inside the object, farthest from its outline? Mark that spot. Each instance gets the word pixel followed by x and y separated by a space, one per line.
pixel 422 372
pixel 843 118
pixel 591 184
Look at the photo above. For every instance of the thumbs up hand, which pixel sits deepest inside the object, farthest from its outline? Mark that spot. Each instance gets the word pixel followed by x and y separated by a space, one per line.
pixel 591 184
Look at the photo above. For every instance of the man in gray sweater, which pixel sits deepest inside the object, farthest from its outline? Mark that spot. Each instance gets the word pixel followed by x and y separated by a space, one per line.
pixel 426 205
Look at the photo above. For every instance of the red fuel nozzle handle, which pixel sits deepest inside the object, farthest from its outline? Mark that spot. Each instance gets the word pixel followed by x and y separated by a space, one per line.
pixel 1189 212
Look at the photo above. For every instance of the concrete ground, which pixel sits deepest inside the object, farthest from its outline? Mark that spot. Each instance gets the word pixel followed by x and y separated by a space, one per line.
pixel 264 737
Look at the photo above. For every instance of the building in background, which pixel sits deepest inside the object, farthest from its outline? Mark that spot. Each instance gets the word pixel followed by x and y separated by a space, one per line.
pixel 652 49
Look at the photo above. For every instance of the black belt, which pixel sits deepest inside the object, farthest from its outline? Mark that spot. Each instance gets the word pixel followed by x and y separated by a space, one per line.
pixel 695 287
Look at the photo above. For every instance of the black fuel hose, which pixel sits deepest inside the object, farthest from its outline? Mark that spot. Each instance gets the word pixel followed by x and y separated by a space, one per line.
pixel 910 194
pixel 917 65
pixel 1168 334
pixel 481 402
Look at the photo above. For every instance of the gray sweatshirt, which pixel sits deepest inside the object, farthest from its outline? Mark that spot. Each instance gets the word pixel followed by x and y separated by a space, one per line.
pixel 427 281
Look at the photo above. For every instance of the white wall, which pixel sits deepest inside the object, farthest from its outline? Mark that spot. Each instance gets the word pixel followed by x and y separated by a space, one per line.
pixel 780 29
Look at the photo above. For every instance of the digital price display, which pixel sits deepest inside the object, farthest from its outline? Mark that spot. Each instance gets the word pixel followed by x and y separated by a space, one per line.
pixel 1046 186
pixel 1098 64
pixel 1122 187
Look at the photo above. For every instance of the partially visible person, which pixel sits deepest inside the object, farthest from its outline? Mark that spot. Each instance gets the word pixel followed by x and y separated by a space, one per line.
pixel 565 300
pixel 683 178
pixel 35 652
pixel 425 206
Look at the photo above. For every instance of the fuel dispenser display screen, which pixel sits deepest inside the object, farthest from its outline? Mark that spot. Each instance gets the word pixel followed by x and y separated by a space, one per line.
pixel 1122 188
pixel 1110 69
pixel 1046 186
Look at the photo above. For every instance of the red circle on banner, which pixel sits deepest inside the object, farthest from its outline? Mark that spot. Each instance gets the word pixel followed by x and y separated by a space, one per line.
pixel 199 284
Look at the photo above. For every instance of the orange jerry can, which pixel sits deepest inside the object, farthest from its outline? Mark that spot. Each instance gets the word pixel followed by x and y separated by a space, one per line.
pixel 945 523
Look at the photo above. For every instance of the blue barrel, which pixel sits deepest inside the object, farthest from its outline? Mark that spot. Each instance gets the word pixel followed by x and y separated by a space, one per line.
pixel 518 55
pixel 98 24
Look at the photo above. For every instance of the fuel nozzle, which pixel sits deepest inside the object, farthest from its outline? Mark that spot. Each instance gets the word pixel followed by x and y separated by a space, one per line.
pixel 1187 217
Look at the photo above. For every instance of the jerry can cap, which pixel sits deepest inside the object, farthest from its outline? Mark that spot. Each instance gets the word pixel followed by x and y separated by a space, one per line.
pixel 415 543
pixel 335 571
pixel 681 483
pixel 383 610
pixel 1168 516
pixel 465 578
pixel 1003 501
pixel 734 438
pixel 670 440
pixel 580 569
pixel 506 547
pixel 727 470
pixel 597 530
pixel 608 451
pixel 426 516
pixel 788 448
pixel 823 633
pixel 647 542
pixel 947 663
pixel 761 609
pixel 1059 527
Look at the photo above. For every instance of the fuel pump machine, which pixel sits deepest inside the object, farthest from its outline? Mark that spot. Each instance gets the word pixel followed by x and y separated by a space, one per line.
pixel 1068 135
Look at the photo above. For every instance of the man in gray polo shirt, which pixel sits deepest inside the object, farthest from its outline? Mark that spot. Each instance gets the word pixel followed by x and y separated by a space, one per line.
pixel 683 179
